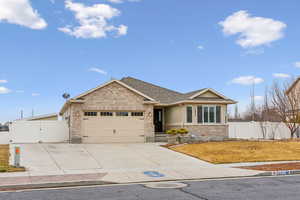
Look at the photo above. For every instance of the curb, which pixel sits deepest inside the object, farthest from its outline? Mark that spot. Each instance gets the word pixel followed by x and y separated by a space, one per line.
pixel 9 188
pixel 53 185
pixel 279 173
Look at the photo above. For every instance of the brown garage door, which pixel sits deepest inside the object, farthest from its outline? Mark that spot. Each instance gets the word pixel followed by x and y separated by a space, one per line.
pixel 113 127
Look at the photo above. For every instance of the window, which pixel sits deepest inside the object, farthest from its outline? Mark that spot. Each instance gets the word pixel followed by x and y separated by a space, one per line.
pixel 200 114
pixel 189 114
pixel 122 114
pixel 209 114
pixel 137 114
pixel 218 114
pixel 205 114
pixel 90 114
pixel 212 114
pixel 106 114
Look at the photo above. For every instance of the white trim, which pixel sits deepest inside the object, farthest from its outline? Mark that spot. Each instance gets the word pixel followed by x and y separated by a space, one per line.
pixel 206 90
pixel 215 115
pixel 109 82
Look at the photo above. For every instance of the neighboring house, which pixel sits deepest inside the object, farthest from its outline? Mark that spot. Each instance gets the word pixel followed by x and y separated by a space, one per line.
pixel 131 110
pixel 52 117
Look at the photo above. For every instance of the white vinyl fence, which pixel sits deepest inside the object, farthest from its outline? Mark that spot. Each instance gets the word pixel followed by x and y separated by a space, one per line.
pixel 4 137
pixel 253 130
pixel 38 131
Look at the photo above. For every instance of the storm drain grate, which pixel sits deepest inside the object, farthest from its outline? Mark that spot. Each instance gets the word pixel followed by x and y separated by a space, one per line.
pixel 165 185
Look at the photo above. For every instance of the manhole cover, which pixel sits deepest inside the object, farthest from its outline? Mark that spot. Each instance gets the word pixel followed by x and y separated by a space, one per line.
pixel 166 185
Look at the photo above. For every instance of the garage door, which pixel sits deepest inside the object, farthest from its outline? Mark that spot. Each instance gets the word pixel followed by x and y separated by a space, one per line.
pixel 113 127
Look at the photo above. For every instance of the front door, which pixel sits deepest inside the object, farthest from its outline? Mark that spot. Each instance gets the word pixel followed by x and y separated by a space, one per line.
pixel 158 120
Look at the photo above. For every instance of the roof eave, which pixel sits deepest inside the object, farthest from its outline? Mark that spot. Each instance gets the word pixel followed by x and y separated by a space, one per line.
pixel 198 102
pixel 67 103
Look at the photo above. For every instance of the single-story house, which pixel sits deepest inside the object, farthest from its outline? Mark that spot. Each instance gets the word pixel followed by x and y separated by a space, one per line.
pixel 131 110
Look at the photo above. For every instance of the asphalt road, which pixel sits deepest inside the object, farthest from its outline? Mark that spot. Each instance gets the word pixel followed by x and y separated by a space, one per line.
pixel 286 188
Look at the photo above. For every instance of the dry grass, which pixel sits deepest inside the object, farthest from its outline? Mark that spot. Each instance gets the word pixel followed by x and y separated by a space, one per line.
pixel 242 151
pixel 4 160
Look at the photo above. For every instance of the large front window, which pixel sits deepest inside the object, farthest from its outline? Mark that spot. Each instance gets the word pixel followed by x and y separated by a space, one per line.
pixel 209 114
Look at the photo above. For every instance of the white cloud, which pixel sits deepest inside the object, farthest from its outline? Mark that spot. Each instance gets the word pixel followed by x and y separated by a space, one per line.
pixel 20 12
pixel 254 31
pixel 93 21
pixel 200 47
pixel 297 64
pixel 247 80
pixel 3 81
pixel 122 1
pixel 35 94
pixel 258 98
pixel 281 75
pixel 100 71
pixel 4 90
pixel 122 30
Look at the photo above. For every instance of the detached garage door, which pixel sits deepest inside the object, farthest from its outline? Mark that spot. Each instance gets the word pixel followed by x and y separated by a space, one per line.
pixel 113 127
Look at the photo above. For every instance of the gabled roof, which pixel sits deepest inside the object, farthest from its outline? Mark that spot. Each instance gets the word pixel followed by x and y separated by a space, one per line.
pixel 109 82
pixel 293 85
pixel 167 96
pixel 196 94
pixel 163 95
pixel 156 94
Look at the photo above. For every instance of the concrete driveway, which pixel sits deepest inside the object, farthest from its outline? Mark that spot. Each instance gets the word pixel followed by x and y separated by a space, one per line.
pixel 122 162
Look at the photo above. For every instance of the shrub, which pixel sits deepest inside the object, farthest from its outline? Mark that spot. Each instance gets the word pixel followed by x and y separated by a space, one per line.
pixel 182 131
pixel 172 132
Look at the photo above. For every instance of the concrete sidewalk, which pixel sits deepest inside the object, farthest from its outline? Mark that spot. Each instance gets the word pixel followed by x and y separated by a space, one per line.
pixel 117 163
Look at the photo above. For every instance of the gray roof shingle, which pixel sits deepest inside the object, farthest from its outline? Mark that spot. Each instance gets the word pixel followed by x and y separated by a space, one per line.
pixel 163 95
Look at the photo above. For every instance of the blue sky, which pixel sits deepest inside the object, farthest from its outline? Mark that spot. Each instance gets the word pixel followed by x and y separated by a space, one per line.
pixel 54 46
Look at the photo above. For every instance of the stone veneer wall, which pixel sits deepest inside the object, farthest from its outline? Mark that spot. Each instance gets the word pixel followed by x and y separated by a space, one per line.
pixel 206 131
pixel 113 97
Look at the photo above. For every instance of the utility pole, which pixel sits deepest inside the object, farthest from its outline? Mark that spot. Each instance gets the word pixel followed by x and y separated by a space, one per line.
pixel 252 94
pixel 21 114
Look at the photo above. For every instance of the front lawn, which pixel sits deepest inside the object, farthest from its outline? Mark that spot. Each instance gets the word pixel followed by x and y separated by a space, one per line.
pixel 242 151
pixel 4 160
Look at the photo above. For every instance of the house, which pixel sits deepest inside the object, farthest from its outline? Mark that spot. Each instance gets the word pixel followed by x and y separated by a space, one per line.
pixel 131 110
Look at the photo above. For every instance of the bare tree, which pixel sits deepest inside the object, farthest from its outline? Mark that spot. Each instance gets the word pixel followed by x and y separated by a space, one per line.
pixel 267 117
pixel 286 103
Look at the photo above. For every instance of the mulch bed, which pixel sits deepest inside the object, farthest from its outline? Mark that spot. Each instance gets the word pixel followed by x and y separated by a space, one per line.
pixel 274 167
